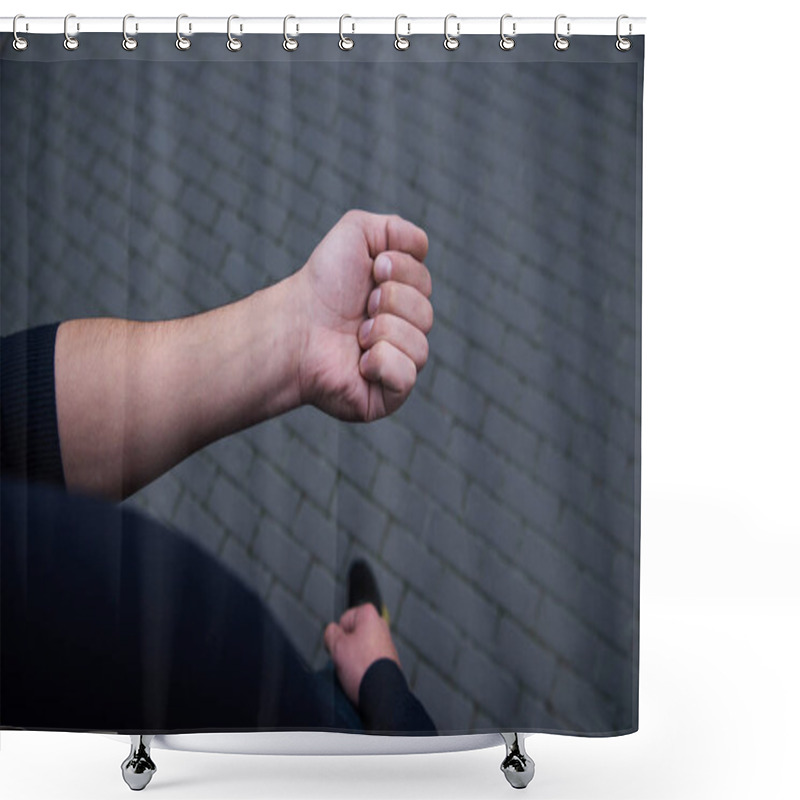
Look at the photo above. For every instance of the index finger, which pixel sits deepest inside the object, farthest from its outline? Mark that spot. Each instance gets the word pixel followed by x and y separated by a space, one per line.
pixel 331 635
pixel 406 236
pixel 348 620
pixel 403 268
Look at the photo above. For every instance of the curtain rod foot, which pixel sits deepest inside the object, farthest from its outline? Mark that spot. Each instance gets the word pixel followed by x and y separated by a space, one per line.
pixel 138 768
pixel 517 766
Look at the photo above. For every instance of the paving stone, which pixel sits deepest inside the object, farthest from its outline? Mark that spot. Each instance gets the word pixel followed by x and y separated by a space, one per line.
pixel 402 499
pixel 418 622
pixel 488 681
pixel 390 439
pixel 459 398
pixel 282 555
pixel 267 487
pixel 408 558
pixel 450 710
pixel 236 557
pixel 316 532
pixel 528 659
pixel 581 704
pixel 234 509
pixel 465 606
pixel 359 514
pixel 440 477
pixel 319 594
pixel 198 524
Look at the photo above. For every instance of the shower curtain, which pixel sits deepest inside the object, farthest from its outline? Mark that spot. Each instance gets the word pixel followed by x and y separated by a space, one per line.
pixel 320 385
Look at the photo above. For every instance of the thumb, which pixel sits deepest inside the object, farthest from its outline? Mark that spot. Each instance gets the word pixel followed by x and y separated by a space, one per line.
pixel 349 619
pixel 333 633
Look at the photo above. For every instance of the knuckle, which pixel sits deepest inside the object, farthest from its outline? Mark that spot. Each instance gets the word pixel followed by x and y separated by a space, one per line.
pixel 380 351
pixel 368 612
pixel 355 216
pixel 427 317
pixel 388 295
pixel 425 351
pixel 408 377
pixel 378 330
pixel 425 242
pixel 382 330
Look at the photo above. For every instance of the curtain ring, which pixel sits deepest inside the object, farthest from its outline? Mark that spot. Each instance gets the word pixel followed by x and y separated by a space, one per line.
pixel 451 42
pixel 19 42
pixel 400 42
pixel 182 43
pixel 506 42
pixel 289 44
pixel 622 44
pixel 128 42
pixel 560 43
pixel 233 44
pixel 345 42
pixel 70 42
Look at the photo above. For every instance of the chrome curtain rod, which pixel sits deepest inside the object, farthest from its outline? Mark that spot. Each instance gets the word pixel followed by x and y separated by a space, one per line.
pixel 407 26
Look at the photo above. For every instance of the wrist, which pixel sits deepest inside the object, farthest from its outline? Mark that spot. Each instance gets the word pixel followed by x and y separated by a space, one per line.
pixel 280 337
pixel 297 297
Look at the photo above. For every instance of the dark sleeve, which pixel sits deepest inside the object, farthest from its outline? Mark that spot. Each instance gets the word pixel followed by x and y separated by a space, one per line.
pixel 29 446
pixel 386 704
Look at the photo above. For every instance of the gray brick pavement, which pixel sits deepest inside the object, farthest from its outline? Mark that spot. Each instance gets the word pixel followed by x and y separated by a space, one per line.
pixel 497 505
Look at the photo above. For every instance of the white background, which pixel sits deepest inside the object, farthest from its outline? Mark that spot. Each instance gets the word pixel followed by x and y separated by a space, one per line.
pixel 720 605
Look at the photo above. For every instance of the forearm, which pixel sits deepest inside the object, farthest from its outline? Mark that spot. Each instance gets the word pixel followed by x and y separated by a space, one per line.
pixel 135 398
pixel 387 705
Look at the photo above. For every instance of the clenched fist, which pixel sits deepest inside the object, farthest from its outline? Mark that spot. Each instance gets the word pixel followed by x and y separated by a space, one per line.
pixel 365 314
pixel 360 638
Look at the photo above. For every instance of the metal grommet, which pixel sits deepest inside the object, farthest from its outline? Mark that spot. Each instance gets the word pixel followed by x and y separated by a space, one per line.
pixel 622 44
pixel 451 42
pixel 182 43
pixel 19 43
pixel 289 43
pixel 400 42
pixel 345 42
pixel 70 42
pixel 128 42
pixel 506 42
pixel 560 43
pixel 233 44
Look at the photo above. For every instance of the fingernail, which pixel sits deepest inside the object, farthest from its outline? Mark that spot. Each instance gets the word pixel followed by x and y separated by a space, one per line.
pixel 366 327
pixel 364 358
pixel 383 267
pixel 374 301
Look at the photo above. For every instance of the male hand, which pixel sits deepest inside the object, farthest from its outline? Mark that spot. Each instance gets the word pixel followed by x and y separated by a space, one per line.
pixel 365 315
pixel 359 640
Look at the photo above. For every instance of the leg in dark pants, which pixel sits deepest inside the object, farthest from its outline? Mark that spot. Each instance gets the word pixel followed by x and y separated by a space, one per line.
pixel 113 622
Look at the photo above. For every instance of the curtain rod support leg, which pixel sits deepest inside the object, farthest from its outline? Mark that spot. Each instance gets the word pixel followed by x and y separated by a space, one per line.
pixel 138 768
pixel 517 766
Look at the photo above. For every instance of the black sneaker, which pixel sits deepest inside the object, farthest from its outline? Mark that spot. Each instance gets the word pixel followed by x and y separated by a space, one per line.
pixel 362 587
